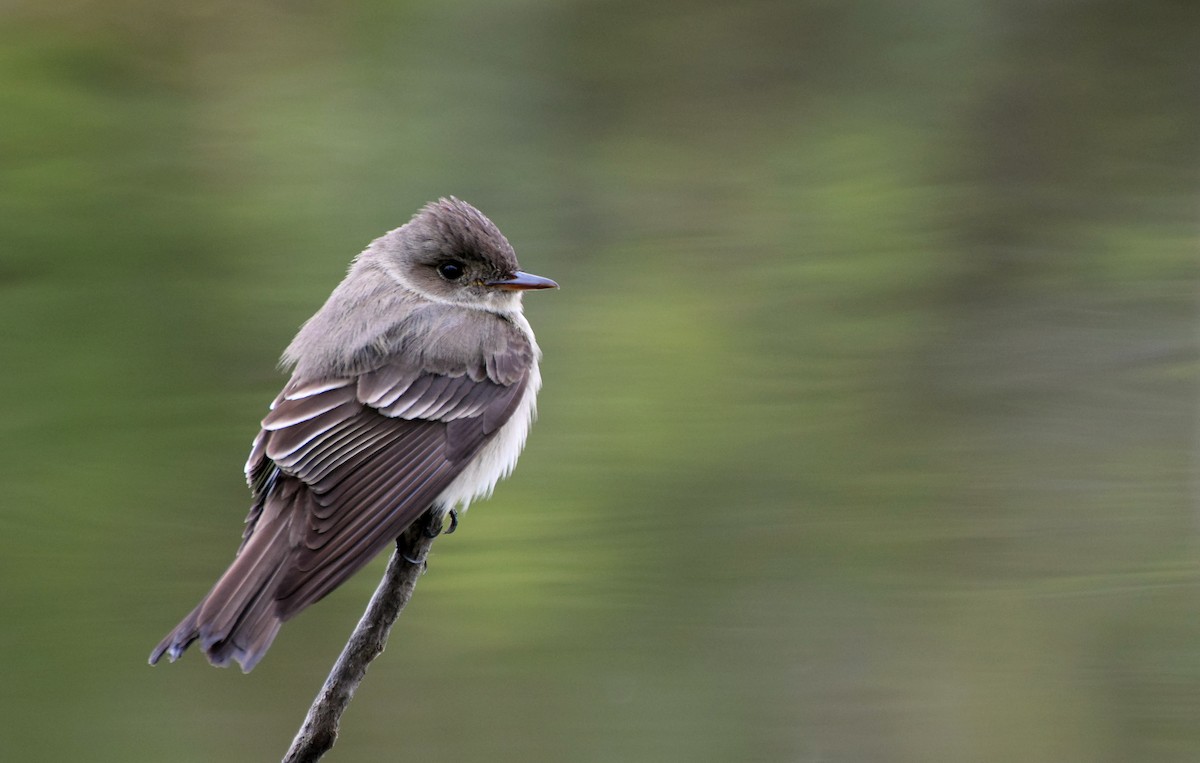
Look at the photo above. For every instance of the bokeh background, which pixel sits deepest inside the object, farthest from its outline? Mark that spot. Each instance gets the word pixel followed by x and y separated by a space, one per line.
pixel 869 430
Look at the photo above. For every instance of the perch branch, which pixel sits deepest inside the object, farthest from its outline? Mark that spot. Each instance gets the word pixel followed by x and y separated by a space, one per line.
pixel 320 729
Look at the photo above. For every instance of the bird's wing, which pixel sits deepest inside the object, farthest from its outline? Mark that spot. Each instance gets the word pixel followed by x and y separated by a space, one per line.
pixel 369 454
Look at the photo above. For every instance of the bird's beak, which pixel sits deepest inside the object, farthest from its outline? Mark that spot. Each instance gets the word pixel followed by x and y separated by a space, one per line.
pixel 521 281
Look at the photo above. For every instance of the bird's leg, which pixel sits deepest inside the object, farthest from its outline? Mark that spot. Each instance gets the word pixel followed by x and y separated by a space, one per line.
pixel 402 548
pixel 430 528
pixel 453 521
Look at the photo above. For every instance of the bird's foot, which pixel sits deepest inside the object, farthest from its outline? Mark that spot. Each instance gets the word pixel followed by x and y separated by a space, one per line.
pixel 410 560
pixel 436 524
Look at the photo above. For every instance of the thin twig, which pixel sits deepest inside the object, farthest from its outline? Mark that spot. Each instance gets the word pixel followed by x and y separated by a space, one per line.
pixel 320 728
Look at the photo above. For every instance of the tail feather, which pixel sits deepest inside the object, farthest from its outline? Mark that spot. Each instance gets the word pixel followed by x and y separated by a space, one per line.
pixel 240 616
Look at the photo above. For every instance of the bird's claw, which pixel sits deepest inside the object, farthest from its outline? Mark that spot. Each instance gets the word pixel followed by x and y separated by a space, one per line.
pixel 437 522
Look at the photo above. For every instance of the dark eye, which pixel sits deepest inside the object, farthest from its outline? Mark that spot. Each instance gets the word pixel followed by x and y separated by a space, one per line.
pixel 450 270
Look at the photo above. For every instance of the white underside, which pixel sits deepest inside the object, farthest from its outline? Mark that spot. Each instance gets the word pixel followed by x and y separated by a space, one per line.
pixel 498 458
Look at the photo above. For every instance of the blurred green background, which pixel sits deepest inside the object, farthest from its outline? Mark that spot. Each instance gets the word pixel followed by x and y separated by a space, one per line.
pixel 869 430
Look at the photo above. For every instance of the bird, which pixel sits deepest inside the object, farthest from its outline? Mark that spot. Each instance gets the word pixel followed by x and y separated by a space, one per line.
pixel 412 388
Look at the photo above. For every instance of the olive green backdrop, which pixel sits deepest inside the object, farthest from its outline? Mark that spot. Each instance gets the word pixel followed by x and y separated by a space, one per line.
pixel 870 418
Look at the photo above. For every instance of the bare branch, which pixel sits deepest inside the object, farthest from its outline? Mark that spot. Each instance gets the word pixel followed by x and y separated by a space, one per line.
pixel 320 729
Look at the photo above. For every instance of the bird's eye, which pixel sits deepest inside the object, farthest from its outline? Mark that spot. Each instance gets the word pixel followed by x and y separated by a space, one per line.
pixel 450 270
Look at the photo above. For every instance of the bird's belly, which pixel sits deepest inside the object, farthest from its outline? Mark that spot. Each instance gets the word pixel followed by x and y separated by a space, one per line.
pixel 497 458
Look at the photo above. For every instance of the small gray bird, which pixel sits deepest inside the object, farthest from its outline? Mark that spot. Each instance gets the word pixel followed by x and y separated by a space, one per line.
pixel 413 387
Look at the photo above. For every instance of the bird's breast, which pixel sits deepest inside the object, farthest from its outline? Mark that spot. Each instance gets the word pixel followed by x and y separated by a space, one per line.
pixel 497 458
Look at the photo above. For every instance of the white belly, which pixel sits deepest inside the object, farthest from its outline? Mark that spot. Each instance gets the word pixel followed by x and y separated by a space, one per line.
pixel 497 459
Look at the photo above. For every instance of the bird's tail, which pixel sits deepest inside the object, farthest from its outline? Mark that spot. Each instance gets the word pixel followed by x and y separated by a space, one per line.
pixel 240 616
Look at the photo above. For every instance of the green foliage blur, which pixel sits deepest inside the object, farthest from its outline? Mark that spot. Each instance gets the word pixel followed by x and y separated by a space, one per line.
pixel 870 418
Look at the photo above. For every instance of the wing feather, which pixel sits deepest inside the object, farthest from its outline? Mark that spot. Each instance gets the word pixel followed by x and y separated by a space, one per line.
pixel 291 411
pixel 381 387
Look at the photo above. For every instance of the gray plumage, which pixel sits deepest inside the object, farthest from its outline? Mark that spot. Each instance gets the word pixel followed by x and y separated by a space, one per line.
pixel 409 389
